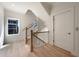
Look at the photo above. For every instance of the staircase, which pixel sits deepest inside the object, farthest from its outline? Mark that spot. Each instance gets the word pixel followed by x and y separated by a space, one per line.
pixel 38 42
pixel 42 49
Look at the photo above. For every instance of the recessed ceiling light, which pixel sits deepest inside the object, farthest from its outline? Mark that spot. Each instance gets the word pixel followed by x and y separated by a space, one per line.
pixel 13 5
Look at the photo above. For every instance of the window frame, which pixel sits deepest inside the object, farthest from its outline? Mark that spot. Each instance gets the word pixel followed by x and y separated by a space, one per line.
pixel 10 18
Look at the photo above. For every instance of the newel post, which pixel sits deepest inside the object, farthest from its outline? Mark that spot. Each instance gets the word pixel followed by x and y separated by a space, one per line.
pixel 26 36
pixel 31 40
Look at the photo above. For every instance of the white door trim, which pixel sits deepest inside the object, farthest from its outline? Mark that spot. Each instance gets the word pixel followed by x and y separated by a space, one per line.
pixel 61 12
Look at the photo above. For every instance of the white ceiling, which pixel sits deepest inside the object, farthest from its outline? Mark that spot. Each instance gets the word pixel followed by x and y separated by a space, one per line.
pixel 20 7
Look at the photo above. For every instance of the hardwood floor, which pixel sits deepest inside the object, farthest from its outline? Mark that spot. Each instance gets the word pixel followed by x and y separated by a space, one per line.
pixel 51 51
pixel 48 51
pixel 19 49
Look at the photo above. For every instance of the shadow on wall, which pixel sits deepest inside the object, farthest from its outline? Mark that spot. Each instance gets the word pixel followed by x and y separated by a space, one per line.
pixel 33 19
pixel 41 24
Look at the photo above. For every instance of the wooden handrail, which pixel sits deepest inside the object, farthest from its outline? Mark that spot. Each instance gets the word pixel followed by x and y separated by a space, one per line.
pixel 38 38
pixel 26 33
pixel 33 34
pixel 41 32
pixel 29 27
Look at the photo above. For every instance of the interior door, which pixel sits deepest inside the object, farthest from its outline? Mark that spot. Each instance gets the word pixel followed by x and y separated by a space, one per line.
pixel 63 29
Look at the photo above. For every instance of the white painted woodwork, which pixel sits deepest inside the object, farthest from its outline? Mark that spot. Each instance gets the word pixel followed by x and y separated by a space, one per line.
pixel 1 26
pixel 76 31
pixel 63 24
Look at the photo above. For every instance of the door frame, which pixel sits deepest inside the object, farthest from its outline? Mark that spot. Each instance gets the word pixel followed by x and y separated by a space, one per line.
pixel 59 12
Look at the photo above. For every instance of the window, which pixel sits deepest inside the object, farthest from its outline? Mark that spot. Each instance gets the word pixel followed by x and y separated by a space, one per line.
pixel 13 26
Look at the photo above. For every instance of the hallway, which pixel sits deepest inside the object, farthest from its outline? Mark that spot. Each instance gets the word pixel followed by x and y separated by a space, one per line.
pixel 19 49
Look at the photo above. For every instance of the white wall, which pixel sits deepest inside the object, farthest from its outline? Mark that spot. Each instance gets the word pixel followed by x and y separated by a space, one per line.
pixel 30 18
pixel 77 30
pixel 23 23
pixel 45 17
pixel 25 20
pixel 58 7
pixel 1 26
pixel 37 9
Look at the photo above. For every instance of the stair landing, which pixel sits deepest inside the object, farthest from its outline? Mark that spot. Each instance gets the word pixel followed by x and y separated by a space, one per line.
pixel 51 51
